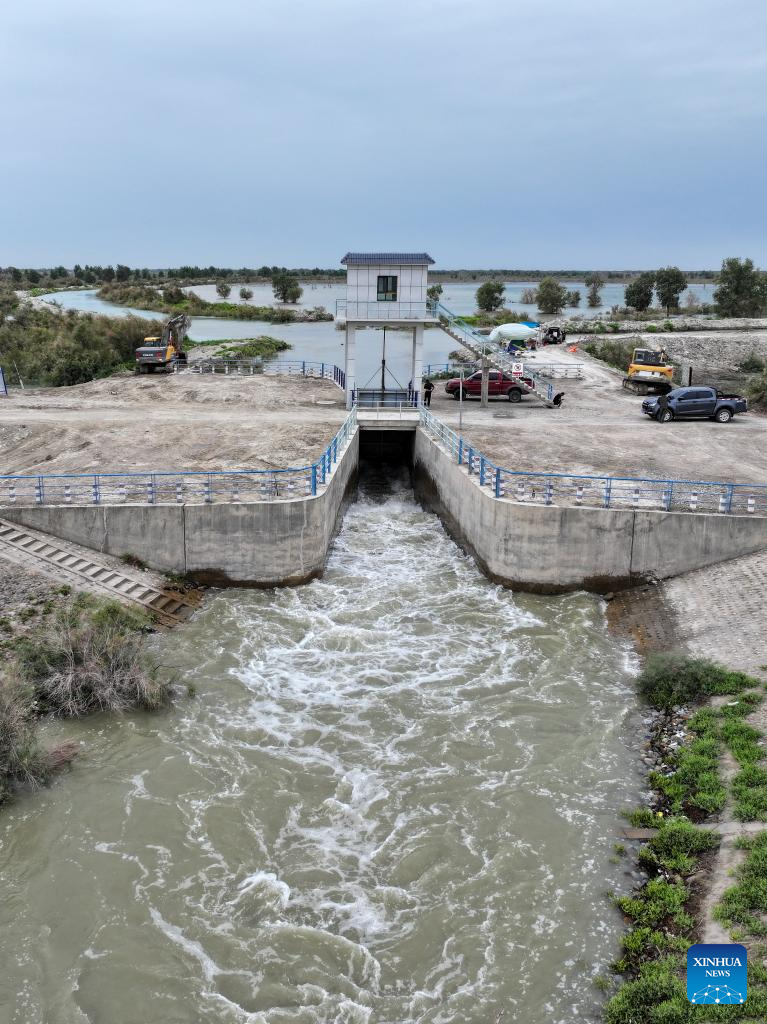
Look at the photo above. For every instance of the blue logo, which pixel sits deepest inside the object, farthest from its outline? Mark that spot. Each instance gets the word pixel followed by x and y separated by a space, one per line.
pixel 717 974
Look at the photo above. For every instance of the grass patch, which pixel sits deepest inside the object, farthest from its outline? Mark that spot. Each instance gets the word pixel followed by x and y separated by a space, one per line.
pixel 22 759
pixel 88 658
pixel 263 346
pixel 677 846
pixel 694 786
pixel 670 680
pixel 746 901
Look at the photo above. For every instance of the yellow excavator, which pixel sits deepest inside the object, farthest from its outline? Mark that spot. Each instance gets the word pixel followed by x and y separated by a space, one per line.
pixel 649 371
pixel 166 351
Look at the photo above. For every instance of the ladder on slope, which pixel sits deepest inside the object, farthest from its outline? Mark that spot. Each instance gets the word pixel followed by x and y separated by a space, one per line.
pixel 49 556
pixel 480 346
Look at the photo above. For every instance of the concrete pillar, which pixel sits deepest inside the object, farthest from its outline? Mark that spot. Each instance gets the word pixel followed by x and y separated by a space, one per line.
pixel 417 359
pixel 349 363
pixel 485 382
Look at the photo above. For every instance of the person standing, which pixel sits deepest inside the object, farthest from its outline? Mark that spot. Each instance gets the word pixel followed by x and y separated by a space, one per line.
pixel 428 387
pixel 660 407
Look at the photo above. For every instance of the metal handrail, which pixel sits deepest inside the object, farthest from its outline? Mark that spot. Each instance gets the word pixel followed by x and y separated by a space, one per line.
pixel 596 491
pixel 480 342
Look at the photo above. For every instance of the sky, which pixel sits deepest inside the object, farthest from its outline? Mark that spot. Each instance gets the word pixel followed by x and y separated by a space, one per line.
pixel 490 133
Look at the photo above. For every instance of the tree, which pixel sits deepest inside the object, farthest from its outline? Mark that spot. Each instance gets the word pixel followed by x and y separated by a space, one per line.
pixel 108 274
pixel 552 295
pixel 529 295
pixel 223 290
pixel 670 282
pixel 594 282
pixel 573 299
pixel 638 293
pixel 742 289
pixel 433 292
pixel 15 273
pixel 490 296
pixel 246 294
pixel 286 287
pixel 122 273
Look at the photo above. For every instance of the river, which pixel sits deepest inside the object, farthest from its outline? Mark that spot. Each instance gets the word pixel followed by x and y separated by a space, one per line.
pixel 393 799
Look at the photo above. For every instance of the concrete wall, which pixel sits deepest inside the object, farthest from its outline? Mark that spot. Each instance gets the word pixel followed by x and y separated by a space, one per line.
pixel 263 544
pixel 551 549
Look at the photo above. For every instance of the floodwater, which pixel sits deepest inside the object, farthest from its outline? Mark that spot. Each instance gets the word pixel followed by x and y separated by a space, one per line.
pixel 393 799
pixel 324 343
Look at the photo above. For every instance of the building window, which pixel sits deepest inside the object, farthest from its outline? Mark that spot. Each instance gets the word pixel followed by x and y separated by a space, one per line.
pixel 387 288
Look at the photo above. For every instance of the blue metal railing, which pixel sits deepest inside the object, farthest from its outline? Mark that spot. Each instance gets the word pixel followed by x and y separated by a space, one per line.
pixel 288 367
pixel 596 491
pixel 180 486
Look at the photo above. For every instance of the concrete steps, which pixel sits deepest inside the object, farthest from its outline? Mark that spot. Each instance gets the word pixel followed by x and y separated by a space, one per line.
pixel 70 563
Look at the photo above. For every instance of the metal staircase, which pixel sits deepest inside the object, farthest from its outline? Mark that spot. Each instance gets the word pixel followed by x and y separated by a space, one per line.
pixel 481 346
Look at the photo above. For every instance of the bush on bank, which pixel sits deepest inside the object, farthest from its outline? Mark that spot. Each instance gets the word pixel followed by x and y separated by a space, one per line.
pixel 60 349
pixel 86 658
pixel 668 680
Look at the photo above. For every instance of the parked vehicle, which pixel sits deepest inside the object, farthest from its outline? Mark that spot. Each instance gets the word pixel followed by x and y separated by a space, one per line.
pixel 164 351
pixel 694 403
pixel 649 371
pixel 553 336
pixel 499 385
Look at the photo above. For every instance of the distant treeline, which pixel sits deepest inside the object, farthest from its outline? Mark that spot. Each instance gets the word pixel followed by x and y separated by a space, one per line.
pixel 91 274
pixel 50 278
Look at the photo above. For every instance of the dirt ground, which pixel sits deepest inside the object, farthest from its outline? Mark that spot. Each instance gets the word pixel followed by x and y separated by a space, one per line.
pixel 601 430
pixel 189 421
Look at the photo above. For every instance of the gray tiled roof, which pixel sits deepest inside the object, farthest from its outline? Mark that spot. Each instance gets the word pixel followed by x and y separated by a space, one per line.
pixel 388 258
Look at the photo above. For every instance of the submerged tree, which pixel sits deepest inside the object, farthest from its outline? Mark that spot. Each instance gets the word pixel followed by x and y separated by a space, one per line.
pixel 742 289
pixel 552 296
pixel 223 290
pixel 490 296
pixel 286 287
pixel 670 282
pixel 638 293
pixel 573 299
pixel 594 282
pixel 246 294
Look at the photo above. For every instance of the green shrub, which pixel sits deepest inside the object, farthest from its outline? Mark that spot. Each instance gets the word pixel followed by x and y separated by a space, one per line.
pixel 669 680
pixel 643 817
pixel 651 329
pixel 659 901
pixel 22 760
pixel 676 846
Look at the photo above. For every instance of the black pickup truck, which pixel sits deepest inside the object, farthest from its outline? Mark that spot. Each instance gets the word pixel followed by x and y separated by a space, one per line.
pixel 694 403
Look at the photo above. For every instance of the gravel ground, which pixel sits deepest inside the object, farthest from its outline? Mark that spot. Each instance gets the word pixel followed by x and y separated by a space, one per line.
pixel 600 430
pixel 186 421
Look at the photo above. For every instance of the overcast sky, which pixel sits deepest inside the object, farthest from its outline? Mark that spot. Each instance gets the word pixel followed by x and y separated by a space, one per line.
pixel 488 132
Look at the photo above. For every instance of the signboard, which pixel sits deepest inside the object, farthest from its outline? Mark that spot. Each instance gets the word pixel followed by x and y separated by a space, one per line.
pixel 3 385
pixel 517 369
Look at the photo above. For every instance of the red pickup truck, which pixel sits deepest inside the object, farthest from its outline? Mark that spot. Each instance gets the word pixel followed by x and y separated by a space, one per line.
pixel 499 385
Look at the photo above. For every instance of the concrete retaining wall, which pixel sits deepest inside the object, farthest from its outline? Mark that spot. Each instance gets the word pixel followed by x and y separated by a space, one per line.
pixel 551 549
pixel 261 544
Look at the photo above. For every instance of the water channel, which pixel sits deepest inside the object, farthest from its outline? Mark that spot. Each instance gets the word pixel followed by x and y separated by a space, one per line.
pixel 393 799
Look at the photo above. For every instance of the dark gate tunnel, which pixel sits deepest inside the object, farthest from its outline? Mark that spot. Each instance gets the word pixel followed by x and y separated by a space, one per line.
pixel 390 447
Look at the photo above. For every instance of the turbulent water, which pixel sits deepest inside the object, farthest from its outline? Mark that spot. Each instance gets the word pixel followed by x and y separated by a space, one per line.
pixel 392 799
